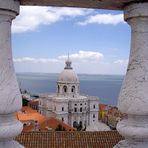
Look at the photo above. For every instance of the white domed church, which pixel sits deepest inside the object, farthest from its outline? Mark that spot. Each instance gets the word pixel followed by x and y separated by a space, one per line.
pixel 67 104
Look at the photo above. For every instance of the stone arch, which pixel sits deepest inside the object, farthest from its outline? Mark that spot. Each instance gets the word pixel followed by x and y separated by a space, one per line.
pixel 65 89
pixel 73 89
pixel 58 89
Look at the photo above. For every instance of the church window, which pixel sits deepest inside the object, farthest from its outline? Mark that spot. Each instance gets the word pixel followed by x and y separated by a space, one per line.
pixel 58 88
pixel 62 119
pixel 65 89
pixel 73 89
pixel 93 115
pixel 94 106
pixel 75 109
pixel 80 109
pixel 62 108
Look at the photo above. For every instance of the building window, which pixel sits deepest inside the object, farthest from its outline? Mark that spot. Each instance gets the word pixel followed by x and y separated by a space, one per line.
pixel 58 89
pixel 93 115
pixel 81 104
pixel 75 109
pixel 65 89
pixel 75 124
pixel 55 108
pixel 62 119
pixel 80 109
pixel 73 89
pixel 94 106
pixel 75 104
pixel 62 108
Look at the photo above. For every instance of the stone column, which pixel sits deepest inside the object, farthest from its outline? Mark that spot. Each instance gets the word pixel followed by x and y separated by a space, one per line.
pixel 133 99
pixel 10 98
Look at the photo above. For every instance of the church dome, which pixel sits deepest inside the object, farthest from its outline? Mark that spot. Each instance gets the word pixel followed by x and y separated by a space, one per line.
pixel 68 74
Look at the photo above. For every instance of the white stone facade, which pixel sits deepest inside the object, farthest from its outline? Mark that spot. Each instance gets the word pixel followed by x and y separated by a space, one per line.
pixel 67 104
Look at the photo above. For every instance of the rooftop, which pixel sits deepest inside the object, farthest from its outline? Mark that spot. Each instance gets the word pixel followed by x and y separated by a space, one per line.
pixel 69 139
pixel 53 124
pixel 44 123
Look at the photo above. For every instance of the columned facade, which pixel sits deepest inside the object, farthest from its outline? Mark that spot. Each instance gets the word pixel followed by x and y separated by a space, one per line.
pixel 68 104
pixel 133 98
pixel 10 98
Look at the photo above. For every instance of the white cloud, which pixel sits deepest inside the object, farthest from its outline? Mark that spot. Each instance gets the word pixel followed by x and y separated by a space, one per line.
pixel 95 63
pixel 84 55
pixel 103 19
pixel 81 55
pixel 31 17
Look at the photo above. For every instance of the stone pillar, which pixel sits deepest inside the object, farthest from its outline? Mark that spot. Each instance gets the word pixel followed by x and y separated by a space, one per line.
pixel 133 99
pixel 10 98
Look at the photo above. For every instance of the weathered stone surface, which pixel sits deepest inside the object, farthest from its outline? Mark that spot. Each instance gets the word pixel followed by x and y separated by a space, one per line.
pixel 101 4
pixel 10 97
pixel 133 98
pixel 134 94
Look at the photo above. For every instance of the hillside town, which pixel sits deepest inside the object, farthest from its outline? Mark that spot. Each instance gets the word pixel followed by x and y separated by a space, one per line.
pixel 33 120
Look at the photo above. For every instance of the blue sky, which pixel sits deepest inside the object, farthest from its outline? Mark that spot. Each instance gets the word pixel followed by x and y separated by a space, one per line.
pixel 98 41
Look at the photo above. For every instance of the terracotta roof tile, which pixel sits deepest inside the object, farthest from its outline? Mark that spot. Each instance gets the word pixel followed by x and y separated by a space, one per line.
pixel 28 128
pixel 69 139
pixel 27 109
pixel 53 123
pixel 44 123
pixel 102 107
pixel 32 116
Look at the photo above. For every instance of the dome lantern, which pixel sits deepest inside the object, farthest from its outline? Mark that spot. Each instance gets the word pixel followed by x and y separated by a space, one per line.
pixel 68 63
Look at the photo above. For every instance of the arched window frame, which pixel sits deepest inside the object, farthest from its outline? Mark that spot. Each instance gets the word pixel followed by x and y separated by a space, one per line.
pixel 58 89
pixel 65 89
pixel 73 89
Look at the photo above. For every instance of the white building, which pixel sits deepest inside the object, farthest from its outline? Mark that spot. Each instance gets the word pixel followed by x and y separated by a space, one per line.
pixel 67 104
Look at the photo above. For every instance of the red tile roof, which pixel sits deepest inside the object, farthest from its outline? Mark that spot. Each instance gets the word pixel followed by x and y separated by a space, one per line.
pixel 53 123
pixel 29 128
pixel 32 117
pixel 28 115
pixel 102 107
pixel 27 109
pixel 69 139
